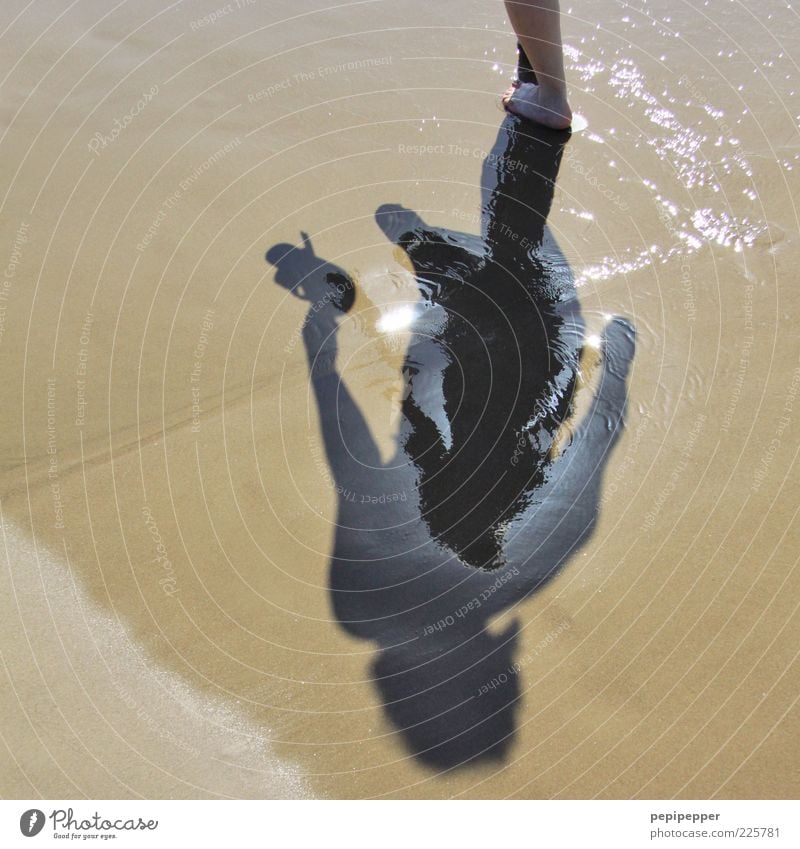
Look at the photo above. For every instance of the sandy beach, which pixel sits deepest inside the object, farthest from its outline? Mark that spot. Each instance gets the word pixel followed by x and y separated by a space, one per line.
pixel 170 504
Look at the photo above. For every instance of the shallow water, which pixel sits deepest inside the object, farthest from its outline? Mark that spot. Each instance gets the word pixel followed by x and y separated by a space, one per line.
pixel 171 503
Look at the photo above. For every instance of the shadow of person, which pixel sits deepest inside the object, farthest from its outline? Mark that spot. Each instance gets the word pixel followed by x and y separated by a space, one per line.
pixel 474 512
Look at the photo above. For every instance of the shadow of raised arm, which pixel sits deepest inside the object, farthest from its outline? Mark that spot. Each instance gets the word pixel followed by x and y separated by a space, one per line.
pixel 349 444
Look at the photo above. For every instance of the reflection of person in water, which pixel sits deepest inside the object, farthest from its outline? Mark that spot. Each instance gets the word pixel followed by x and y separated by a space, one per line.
pixel 486 515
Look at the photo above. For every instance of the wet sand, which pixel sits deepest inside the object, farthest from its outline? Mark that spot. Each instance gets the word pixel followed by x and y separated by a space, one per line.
pixel 169 511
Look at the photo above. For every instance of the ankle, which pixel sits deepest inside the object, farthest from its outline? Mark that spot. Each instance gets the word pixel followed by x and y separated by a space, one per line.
pixel 553 91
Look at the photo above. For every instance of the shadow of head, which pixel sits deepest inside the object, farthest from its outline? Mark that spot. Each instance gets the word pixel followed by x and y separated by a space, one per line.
pixel 309 277
pixel 454 702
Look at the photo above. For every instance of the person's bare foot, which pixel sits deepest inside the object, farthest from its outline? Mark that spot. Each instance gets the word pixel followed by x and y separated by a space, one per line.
pixel 537 104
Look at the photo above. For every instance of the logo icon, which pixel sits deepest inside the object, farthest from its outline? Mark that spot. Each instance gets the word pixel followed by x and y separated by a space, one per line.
pixel 31 822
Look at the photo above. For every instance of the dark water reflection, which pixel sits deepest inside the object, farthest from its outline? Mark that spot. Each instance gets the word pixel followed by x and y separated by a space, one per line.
pixel 472 515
